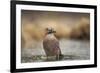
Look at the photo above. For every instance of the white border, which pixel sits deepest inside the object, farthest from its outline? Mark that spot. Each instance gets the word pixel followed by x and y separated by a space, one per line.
pixel 51 64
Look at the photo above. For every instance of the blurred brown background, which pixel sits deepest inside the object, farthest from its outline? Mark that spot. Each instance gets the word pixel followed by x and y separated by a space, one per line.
pixel 67 25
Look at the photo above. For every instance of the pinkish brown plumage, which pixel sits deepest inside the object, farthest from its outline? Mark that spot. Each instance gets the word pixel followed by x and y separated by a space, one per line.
pixel 51 45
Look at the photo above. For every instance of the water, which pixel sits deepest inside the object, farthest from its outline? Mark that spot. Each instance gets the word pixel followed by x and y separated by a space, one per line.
pixel 71 49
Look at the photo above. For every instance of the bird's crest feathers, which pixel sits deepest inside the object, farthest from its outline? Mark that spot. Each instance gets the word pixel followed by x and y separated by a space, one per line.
pixel 50 30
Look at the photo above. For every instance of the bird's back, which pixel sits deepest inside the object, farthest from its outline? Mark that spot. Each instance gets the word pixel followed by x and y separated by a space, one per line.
pixel 51 45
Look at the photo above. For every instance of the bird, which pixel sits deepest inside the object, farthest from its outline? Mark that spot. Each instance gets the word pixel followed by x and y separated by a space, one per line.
pixel 51 45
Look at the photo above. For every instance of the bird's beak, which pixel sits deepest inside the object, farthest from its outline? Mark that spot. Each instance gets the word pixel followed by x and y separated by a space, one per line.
pixel 54 31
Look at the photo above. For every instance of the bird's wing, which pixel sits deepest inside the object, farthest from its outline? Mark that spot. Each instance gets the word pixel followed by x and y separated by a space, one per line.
pixel 55 46
pixel 51 46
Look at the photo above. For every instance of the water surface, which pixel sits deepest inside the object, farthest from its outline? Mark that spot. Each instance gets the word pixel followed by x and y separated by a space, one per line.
pixel 71 49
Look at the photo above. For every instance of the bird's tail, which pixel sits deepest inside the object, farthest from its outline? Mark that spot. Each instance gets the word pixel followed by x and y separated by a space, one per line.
pixel 59 57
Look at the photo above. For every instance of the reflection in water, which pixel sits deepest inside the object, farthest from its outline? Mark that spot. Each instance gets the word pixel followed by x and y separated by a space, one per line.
pixel 71 49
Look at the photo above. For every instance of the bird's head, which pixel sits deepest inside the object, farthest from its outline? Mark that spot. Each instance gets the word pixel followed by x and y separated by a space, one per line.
pixel 50 30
